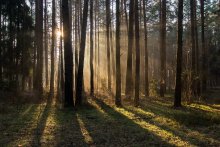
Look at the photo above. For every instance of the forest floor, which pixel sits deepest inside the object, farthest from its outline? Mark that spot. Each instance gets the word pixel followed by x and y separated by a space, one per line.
pixel 100 123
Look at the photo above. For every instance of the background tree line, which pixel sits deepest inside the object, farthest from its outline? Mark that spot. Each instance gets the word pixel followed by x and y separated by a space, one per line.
pixel 128 48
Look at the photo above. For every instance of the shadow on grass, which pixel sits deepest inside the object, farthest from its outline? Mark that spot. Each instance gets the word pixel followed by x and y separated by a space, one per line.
pixel 17 123
pixel 186 115
pixel 57 127
pixel 193 119
pixel 111 128
pixel 182 134
pixel 67 131
pixel 41 123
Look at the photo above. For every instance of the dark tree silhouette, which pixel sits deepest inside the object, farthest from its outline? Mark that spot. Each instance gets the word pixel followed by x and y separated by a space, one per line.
pixel 68 55
pixel 108 21
pixel 39 46
pixel 91 50
pixel 146 90
pixel 204 52
pixel 46 42
pixel 53 48
pixel 79 86
pixel 163 48
pixel 118 63
pixel 193 45
pixel 137 45
pixel 178 87
pixel 129 78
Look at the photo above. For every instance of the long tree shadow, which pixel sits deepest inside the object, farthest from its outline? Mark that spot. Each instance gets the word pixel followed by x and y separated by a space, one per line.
pixel 67 130
pixel 15 123
pixel 194 140
pixel 185 116
pixel 107 127
pixel 57 127
pixel 192 118
pixel 41 123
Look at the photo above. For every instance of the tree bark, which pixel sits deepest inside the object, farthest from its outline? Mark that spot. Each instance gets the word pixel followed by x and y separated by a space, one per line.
pixel 53 49
pixel 1 75
pixel 46 42
pixel 137 45
pixel 39 45
pixel 192 17
pixel 129 78
pixel 91 50
pixel 108 21
pixel 118 63
pixel 79 86
pixel 163 49
pixel 204 52
pixel 68 55
pixel 178 87
pixel 146 52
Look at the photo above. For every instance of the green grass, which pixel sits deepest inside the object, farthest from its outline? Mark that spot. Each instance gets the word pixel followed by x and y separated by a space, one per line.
pixel 154 123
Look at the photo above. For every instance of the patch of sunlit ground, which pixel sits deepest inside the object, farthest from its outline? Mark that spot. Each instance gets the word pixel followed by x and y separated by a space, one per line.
pixel 100 123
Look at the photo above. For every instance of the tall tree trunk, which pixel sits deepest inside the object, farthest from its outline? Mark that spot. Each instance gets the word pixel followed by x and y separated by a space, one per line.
pixel 62 84
pixel 76 38
pixel 68 55
pixel 91 50
pixel 118 63
pixel 1 77
pixel 204 52
pixel 53 48
pixel 98 70
pixel 129 78
pixel 79 86
pixel 95 60
pixel 112 47
pixel 197 51
pixel 163 49
pixel 137 45
pixel 39 44
pixel 178 87
pixel 46 42
pixel 192 17
pixel 146 52
pixel 108 21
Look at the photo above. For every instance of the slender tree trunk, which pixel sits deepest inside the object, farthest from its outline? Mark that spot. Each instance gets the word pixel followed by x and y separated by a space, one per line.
pixel 118 64
pixel 204 52
pixel 108 21
pixel 95 60
pixel 68 55
pixel 76 39
pixel 129 78
pixel 46 42
pixel 192 15
pixel 79 86
pixel 197 51
pixel 112 48
pixel 163 49
pixel 91 50
pixel 53 49
pixel 1 74
pixel 178 87
pixel 62 84
pixel 98 74
pixel 39 45
pixel 137 45
pixel 146 52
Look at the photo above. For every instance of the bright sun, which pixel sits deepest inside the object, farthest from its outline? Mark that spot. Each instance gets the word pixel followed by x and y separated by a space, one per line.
pixel 59 33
